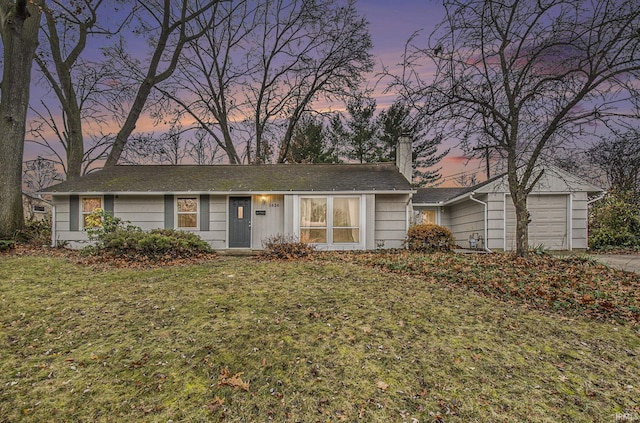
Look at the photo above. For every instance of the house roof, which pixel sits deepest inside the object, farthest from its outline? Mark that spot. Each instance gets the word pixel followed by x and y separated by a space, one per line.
pixel 443 195
pixel 237 178
pixel 553 180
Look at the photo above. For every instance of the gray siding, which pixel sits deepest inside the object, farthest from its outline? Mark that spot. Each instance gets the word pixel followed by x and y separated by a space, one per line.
pixel 216 236
pixel 391 220
pixel 384 224
pixel 63 234
pixel 466 218
pixel 145 212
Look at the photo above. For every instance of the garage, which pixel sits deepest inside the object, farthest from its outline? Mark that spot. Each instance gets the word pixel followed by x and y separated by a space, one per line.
pixel 549 224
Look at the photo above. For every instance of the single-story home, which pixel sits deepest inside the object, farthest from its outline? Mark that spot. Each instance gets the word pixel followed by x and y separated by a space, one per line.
pixel 334 206
pixel 483 216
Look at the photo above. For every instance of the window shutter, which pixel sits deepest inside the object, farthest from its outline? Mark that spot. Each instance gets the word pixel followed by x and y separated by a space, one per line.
pixel 168 212
pixel 108 203
pixel 74 213
pixel 204 212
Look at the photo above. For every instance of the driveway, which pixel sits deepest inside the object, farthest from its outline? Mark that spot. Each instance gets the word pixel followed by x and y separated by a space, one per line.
pixel 628 262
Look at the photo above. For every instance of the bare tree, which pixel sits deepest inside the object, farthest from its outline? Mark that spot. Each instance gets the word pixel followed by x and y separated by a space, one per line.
pixel 250 78
pixel 19 28
pixel 203 149
pixel 619 157
pixel 77 83
pixel 524 77
pixel 168 26
pixel 39 173
pixel 166 148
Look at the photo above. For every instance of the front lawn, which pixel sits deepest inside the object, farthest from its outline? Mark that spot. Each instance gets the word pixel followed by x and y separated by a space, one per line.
pixel 340 338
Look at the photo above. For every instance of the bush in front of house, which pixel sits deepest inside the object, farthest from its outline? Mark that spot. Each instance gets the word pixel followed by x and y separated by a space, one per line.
pixel 614 222
pixel 153 244
pixel 6 244
pixel 429 238
pixel 114 236
pixel 286 247
pixel 35 232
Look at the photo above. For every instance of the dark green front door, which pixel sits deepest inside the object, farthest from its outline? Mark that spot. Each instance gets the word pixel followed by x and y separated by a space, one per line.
pixel 239 222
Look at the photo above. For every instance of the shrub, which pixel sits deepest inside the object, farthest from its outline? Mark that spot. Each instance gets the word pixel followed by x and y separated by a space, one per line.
pixel 429 238
pixel 614 221
pixel 35 232
pixel 114 236
pixel 132 241
pixel 100 222
pixel 286 247
pixel 6 244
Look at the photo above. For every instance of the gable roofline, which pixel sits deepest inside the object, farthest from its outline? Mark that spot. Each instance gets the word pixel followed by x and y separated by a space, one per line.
pixel 490 186
pixel 456 194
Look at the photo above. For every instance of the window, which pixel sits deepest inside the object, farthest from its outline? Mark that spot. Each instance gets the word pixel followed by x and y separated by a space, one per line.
pixel 313 220
pixel 187 211
pixel 89 205
pixel 330 220
pixel 346 220
pixel 429 216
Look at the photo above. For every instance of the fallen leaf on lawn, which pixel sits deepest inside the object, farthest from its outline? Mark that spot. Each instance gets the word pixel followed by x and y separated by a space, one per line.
pixel 234 381
pixel 382 386
pixel 215 404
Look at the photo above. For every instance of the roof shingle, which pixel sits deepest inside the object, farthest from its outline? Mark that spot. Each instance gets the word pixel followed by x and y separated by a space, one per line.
pixel 238 178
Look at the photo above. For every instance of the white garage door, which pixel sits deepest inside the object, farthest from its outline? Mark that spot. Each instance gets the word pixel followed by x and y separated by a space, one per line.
pixel 549 223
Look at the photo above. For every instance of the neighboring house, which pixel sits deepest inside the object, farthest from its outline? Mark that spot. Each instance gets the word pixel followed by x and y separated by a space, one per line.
pixel 334 206
pixel 35 208
pixel 483 216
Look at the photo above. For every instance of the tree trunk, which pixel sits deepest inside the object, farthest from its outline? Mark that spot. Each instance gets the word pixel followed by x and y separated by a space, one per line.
pixel 19 30
pixel 522 224
pixel 75 144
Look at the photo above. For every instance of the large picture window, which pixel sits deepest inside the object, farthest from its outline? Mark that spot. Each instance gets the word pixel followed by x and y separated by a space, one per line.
pixel 330 220
pixel 313 220
pixel 88 206
pixel 346 220
pixel 187 212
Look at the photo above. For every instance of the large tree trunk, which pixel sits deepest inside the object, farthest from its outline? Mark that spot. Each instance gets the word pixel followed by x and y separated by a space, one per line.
pixel 75 144
pixel 522 224
pixel 19 30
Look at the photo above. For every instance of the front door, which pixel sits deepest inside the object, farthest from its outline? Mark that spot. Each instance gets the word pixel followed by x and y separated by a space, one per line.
pixel 239 222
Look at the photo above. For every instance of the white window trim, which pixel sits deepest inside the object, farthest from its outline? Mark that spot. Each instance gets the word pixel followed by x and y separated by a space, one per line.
pixel 330 244
pixel 82 213
pixel 176 214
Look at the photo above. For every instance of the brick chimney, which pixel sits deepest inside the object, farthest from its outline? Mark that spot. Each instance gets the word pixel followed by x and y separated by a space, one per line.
pixel 404 156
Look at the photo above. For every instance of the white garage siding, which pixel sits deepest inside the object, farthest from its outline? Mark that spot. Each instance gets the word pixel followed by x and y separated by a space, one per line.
pixel 549 221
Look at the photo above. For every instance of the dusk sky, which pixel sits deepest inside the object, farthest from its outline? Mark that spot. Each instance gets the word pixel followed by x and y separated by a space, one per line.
pixel 391 25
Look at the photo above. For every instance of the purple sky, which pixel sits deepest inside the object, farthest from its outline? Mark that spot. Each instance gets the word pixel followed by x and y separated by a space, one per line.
pixel 391 25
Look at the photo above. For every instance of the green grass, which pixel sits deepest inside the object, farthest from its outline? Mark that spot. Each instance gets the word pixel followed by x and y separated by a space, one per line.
pixel 316 341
